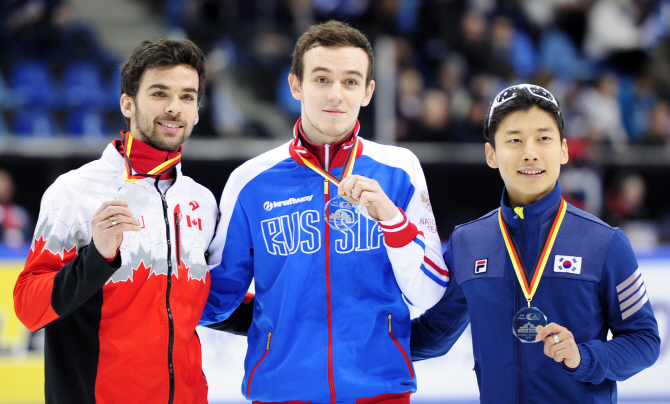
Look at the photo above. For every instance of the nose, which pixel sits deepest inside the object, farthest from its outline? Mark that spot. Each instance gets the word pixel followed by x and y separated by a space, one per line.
pixel 335 93
pixel 174 106
pixel 530 151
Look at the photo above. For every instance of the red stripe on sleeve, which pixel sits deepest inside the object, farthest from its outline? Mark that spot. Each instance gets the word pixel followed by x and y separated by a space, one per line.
pixel 439 270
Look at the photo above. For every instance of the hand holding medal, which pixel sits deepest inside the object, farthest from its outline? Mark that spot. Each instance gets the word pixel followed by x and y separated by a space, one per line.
pixel 340 212
pixel 560 345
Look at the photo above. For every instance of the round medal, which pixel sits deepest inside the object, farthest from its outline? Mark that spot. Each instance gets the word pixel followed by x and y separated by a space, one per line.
pixel 525 324
pixel 341 214
pixel 137 196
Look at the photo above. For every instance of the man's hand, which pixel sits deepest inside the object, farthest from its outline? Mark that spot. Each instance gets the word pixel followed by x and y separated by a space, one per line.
pixel 565 350
pixel 369 193
pixel 107 236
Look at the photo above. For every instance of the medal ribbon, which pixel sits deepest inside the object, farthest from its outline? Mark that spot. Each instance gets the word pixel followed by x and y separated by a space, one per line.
pixel 158 170
pixel 529 288
pixel 346 170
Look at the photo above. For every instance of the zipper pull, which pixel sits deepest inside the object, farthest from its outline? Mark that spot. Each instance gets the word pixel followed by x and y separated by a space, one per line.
pixel 325 187
pixel 389 323
pixel 269 338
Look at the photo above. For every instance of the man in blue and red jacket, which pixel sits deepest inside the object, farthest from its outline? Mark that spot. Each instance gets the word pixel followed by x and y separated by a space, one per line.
pixel 538 256
pixel 330 320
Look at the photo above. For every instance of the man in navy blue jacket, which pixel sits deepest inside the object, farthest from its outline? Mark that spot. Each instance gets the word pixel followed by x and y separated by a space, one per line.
pixel 535 260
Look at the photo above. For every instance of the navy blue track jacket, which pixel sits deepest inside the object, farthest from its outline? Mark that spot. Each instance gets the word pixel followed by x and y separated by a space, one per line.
pixel 601 289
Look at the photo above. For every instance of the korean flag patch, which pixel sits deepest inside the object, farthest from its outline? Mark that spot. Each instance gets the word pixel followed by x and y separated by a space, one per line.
pixel 565 263
pixel 480 266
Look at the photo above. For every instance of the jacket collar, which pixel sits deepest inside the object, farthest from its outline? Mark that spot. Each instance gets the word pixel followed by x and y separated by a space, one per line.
pixel 298 148
pixel 145 157
pixel 113 154
pixel 534 214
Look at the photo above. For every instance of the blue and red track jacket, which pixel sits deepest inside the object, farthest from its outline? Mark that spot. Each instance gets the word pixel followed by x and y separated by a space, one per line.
pixel 330 322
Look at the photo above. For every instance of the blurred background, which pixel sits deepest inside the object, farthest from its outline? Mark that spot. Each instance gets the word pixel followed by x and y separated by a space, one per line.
pixel 438 63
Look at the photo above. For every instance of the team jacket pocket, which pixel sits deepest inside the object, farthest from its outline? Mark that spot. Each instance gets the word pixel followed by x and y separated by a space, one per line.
pixel 402 351
pixel 251 375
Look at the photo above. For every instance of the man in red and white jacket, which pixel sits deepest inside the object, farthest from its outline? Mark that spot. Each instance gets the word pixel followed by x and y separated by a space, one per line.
pixel 120 296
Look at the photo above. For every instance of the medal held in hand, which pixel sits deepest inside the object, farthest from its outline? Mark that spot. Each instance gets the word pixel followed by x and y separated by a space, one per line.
pixel 136 193
pixel 528 321
pixel 340 212
pixel 137 197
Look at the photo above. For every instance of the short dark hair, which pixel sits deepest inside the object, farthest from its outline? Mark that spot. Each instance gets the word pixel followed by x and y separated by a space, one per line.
pixel 331 34
pixel 523 101
pixel 161 53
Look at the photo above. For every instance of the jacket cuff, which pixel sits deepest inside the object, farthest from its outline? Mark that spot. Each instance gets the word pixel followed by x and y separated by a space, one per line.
pixel 113 259
pixel 401 234
pixel 584 364
pixel 96 258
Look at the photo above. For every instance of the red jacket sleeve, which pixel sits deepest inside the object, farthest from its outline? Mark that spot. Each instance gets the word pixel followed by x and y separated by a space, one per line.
pixel 59 276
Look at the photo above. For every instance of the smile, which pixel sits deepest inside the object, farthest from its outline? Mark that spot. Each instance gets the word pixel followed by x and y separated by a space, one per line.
pixel 170 125
pixel 531 172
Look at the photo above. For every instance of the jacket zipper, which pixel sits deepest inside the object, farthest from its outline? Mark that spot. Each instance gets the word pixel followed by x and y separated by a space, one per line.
pixel 517 307
pixel 267 348
pixel 402 351
pixel 326 243
pixel 167 294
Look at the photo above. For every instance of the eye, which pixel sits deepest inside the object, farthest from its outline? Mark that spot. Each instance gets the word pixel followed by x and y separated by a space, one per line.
pixel 351 82
pixel 545 138
pixel 321 80
pixel 158 94
pixel 188 97
pixel 514 141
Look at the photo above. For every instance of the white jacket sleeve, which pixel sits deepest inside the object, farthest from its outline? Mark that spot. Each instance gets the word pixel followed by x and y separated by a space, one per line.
pixel 413 245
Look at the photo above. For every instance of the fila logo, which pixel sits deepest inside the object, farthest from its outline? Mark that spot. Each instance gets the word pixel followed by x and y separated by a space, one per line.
pixel 480 266
pixel 195 222
pixel 565 263
pixel 194 205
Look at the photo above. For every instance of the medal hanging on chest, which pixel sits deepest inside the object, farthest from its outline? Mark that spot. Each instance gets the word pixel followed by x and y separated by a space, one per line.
pixel 528 321
pixel 136 192
pixel 340 213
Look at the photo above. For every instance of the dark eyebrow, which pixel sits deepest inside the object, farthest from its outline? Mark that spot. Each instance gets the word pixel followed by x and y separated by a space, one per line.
pixel 164 87
pixel 516 131
pixel 346 73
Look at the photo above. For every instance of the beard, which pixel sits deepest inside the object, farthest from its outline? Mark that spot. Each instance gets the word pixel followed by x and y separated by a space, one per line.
pixel 147 129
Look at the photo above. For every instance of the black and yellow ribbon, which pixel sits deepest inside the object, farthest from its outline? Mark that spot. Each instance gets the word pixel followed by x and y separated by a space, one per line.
pixel 158 170
pixel 529 288
pixel 347 169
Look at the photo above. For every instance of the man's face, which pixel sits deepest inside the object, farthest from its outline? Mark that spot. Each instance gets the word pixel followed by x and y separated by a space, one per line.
pixel 528 154
pixel 166 106
pixel 332 91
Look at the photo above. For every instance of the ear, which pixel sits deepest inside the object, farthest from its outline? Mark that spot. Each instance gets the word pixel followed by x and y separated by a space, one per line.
pixel 296 89
pixel 127 106
pixel 564 152
pixel 368 94
pixel 491 158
